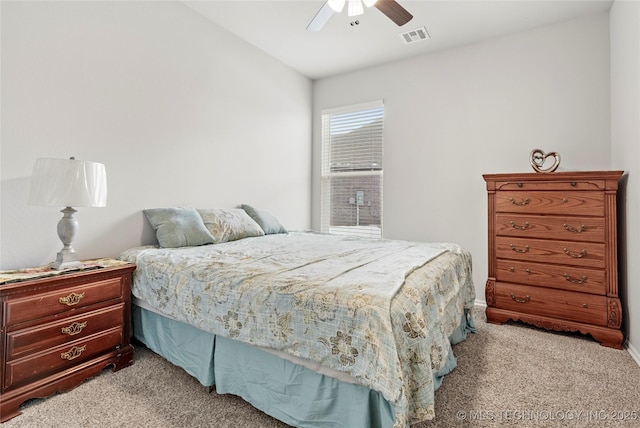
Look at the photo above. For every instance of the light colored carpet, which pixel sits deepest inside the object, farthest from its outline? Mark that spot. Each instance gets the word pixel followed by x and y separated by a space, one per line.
pixel 506 375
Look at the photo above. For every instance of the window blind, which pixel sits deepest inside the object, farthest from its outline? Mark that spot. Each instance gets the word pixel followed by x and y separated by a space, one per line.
pixel 352 149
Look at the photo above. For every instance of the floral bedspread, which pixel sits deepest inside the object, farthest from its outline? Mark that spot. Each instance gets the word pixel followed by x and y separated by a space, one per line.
pixel 380 310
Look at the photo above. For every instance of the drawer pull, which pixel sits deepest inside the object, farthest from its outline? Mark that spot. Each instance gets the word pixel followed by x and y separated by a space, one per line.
pixel 584 305
pixel 74 328
pixel 71 299
pixel 512 269
pixel 521 203
pixel 575 280
pixel 579 255
pixel 527 299
pixel 574 230
pixel 519 250
pixel 565 200
pixel 520 227
pixel 73 353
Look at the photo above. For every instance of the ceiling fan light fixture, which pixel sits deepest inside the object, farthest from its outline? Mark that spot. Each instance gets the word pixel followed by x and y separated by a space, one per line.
pixel 369 3
pixel 355 8
pixel 337 5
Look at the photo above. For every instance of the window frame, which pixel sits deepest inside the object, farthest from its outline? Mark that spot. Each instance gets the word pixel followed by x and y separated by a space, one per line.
pixel 372 166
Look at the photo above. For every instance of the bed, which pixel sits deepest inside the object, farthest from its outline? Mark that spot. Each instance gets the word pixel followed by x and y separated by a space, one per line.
pixel 313 329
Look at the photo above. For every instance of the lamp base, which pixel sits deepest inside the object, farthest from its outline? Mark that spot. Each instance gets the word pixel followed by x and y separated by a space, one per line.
pixel 62 264
pixel 67 258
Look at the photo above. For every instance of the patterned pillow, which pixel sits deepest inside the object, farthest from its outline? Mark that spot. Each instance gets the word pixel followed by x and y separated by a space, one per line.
pixel 229 224
pixel 267 221
pixel 178 227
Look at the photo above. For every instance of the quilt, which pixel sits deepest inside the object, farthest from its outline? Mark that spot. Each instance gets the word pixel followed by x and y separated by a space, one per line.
pixel 381 311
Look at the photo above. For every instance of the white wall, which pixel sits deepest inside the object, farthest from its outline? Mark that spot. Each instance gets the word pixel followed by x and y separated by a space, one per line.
pixel 180 111
pixel 455 115
pixel 625 149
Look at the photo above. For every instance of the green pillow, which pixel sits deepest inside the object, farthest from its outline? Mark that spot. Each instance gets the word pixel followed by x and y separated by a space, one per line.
pixel 267 221
pixel 178 227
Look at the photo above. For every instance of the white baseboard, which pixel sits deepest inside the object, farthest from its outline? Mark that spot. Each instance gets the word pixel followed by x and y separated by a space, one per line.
pixel 480 303
pixel 634 353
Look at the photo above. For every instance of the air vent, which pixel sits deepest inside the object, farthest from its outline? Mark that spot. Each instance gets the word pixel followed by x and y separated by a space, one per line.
pixel 415 35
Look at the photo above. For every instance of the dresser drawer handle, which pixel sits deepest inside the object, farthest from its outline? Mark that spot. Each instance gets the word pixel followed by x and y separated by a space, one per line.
pixel 520 227
pixel 73 353
pixel 574 230
pixel 575 280
pixel 521 203
pixel 512 269
pixel 74 328
pixel 71 299
pixel 527 299
pixel 579 255
pixel 519 250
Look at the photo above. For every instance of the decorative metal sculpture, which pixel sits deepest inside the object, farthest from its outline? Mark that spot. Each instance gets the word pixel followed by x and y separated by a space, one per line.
pixel 538 158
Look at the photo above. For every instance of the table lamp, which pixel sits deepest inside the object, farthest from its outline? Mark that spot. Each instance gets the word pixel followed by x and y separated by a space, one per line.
pixel 68 183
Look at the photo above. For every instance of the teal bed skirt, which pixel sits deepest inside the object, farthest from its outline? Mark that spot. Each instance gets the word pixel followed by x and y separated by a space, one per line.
pixel 287 391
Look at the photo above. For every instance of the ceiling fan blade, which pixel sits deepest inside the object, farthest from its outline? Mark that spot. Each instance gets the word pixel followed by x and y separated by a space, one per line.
pixel 394 11
pixel 321 18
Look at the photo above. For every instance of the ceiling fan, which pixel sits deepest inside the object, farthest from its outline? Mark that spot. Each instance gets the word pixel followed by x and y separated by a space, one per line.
pixel 390 8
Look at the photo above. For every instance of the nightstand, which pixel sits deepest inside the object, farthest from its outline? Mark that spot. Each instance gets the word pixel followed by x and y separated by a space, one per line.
pixel 60 328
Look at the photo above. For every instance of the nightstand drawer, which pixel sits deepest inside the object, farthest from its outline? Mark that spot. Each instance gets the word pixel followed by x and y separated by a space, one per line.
pixel 587 229
pixel 579 279
pixel 555 202
pixel 546 251
pixel 38 366
pixel 64 299
pixel 580 307
pixel 35 339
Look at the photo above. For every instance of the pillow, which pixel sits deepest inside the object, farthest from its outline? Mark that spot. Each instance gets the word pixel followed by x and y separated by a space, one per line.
pixel 229 224
pixel 178 227
pixel 267 221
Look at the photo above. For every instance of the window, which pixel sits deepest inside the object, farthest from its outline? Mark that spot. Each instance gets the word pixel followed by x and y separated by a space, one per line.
pixel 352 170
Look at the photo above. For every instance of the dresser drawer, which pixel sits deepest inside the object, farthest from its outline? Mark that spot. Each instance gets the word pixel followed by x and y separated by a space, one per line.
pixel 565 185
pixel 55 302
pixel 589 229
pixel 38 366
pixel 586 254
pixel 46 336
pixel 580 307
pixel 579 279
pixel 552 202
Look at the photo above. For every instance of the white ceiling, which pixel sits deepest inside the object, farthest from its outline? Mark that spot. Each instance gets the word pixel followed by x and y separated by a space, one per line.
pixel 279 28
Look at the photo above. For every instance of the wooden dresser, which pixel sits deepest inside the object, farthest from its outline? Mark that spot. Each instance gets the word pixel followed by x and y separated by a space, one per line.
pixel 552 252
pixel 59 329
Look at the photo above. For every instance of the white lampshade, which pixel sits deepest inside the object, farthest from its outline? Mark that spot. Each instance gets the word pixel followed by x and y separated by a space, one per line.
pixel 68 183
